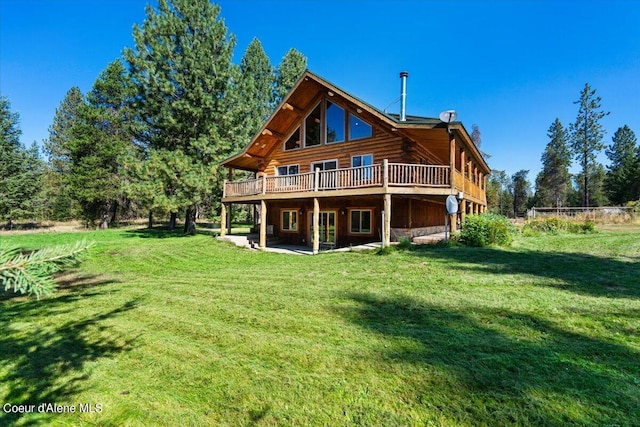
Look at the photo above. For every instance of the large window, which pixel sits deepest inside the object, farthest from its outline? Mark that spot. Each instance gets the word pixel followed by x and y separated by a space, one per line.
pixel 289 220
pixel 328 123
pixel 335 123
pixel 293 143
pixel 360 221
pixel 312 127
pixel 358 128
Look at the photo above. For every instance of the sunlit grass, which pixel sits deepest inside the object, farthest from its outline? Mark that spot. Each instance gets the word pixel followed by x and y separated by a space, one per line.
pixel 162 329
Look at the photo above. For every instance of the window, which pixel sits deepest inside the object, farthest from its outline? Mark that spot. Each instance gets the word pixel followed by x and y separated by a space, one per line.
pixel 360 221
pixel 358 128
pixel 288 180
pixel 325 165
pixel 363 160
pixel 335 123
pixel 363 174
pixel 312 127
pixel 289 220
pixel 288 170
pixel 293 143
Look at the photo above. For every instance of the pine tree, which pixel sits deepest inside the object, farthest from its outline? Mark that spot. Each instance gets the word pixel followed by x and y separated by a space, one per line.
pixel 597 192
pixel 100 137
pixel 586 136
pixel 20 170
pixel 621 182
pixel 256 85
pixel 182 74
pixel 520 189
pixel 32 272
pixel 59 202
pixel 291 68
pixel 499 198
pixel 554 181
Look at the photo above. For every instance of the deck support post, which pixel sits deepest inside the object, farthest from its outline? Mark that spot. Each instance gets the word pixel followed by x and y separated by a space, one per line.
pixel 229 218
pixel 463 210
pixel 223 220
pixel 316 225
pixel 386 227
pixel 263 224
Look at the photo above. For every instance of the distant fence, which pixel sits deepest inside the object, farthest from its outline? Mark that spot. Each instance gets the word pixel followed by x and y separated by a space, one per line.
pixel 603 214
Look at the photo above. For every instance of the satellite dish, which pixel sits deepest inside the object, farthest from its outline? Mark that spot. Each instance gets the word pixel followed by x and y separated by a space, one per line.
pixel 448 116
pixel 452 205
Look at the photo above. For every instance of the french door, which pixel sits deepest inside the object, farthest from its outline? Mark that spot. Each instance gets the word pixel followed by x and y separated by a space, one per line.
pixel 327 227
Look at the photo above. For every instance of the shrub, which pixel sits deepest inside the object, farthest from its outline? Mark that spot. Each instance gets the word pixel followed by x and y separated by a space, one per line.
pixel 404 244
pixel 554 225
pixel 486 229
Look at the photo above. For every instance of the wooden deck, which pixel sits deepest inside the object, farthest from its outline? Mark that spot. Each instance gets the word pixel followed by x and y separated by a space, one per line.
pixel 373 179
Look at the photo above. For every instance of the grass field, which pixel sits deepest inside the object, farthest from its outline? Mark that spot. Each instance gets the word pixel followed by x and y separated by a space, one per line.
pixel 160 329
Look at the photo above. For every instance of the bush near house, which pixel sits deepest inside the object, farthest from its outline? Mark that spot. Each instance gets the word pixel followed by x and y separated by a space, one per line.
pixel 487 229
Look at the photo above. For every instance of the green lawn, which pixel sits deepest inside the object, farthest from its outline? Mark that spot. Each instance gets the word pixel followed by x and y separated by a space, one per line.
pixel 161 329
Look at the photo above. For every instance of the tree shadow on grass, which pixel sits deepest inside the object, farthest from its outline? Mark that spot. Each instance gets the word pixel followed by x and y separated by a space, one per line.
pixel 70 286
pixel 580 273
pixel 160 232
pixel 46 364
pixel 503 367
pixel 163 232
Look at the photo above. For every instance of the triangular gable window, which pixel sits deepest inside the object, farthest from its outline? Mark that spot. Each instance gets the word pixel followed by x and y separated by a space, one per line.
pixel 358 128
pixel 293 143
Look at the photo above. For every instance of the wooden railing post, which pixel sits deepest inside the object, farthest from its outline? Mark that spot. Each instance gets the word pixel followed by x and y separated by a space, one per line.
pixel 316 180
pixel 264 184
pixel 224 189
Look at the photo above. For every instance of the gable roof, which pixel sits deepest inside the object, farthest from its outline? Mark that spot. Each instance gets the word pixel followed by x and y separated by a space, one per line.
pixel 307 91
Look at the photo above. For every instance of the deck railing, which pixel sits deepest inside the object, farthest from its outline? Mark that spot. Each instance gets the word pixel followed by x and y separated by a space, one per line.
pixel 394 174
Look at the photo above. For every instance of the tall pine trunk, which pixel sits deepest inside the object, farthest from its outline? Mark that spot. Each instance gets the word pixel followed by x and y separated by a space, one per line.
pixel 190 220
pixel 172 220
pixel 150 224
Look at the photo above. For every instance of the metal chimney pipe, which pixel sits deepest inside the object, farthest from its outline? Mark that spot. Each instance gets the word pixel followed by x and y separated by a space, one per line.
pixel 403 96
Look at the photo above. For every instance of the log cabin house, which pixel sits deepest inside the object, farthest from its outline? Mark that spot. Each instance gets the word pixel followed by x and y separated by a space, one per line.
pixel 329 170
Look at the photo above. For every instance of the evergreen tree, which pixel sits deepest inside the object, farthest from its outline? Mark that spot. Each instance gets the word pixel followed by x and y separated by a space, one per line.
pixel 520 189
pixel 476 136
pixel 100 137
pixel 553 183
pixel 182 74
pixel 621 182
pixel 32 272
pixel 20 169
pixel 291 68
pixel 597 192
pixel 586 136
pixel 499 198
pixel 59 202
pixel 256 85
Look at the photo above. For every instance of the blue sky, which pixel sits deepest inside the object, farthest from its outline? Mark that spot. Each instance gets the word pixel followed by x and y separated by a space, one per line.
pixel 511 67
